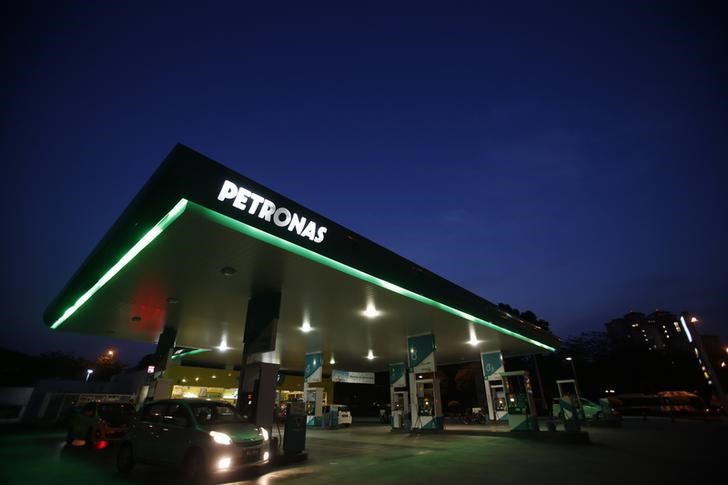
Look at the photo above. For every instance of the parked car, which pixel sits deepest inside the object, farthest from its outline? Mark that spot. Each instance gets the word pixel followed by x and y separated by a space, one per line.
pixel 98 423
pixel 340 412
pixel 199 437
pixel 589 409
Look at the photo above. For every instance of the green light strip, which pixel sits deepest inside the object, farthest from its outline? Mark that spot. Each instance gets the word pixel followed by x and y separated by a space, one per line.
pixel 191 352
pixel 155 231
pixel 326 261
pixel 276 241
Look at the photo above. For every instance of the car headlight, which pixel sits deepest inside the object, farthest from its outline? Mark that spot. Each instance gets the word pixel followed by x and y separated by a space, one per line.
pixel 221 438
pixel 264 432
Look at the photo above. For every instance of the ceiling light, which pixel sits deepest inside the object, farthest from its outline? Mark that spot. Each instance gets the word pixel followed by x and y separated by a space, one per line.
pixel 136 318
pixel 172 300
pixel 228 271
pixel 370 355
pixel 473 337
pixel 306 327
pixel 371 311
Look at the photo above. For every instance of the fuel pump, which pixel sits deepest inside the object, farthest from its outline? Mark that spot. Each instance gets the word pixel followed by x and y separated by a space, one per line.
pixel 399 398
pixel 400 410
pixel 519 401
pixel 425 402
pixel 314 399
pixel 569 404
pixel 498 410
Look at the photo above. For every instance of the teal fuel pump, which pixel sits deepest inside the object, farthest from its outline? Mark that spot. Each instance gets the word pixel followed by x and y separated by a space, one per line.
pixel 519 401
pixel 425 402
pixel 314 397
pixel 400 418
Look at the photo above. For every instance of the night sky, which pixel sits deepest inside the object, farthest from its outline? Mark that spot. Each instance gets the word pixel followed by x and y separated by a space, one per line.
pixel 565 158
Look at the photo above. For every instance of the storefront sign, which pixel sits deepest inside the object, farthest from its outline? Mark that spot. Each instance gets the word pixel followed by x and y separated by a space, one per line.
pixel 352 377
pixel 256 205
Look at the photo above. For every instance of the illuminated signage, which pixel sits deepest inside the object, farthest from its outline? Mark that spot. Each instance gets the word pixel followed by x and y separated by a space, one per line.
pixel 254 204
pixel 352 377
pixel 687 330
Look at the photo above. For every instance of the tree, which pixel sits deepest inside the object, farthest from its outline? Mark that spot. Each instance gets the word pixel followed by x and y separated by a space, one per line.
pixel 107 365
pixel 509 309
pixel 530 317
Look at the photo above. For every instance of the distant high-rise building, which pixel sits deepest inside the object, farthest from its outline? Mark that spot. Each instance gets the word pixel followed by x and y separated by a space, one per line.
pixel 664 351
pixel 658 331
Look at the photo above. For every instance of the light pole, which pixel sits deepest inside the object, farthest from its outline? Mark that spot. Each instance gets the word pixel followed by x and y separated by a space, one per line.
pixel 88 373
pixel 576 382
pixel 573 369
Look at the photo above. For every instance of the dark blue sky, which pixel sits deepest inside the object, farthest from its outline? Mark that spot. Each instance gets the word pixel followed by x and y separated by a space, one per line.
pixel 565 158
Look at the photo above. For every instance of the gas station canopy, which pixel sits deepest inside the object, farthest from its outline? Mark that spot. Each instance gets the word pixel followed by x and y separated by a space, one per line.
pixel 199 240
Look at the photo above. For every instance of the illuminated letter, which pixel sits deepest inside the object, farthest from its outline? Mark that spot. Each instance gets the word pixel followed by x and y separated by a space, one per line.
pixel 241 199
pixel 256 202
pixel 286 217
pixel 227 191
pixel 320 235
pixel 297 223
pixel 310 231
pixel 267 210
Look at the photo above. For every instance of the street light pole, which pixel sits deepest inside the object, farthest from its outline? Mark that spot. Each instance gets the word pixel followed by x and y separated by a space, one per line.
pixel 576 381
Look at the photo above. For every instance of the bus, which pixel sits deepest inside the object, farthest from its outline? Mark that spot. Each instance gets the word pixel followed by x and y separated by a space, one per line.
pixel 681 402
pixel 663 403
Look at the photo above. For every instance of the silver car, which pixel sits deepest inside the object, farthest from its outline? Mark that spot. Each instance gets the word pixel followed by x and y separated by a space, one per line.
pixel 199 437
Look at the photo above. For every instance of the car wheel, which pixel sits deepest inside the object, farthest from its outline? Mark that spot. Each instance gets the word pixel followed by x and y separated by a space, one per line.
pixel 599 416
pixel 125 458
pixel 195 468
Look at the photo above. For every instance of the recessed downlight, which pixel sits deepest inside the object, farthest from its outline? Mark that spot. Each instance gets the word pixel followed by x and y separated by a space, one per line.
pixel 136 318
pixel 228 271
pixel 371 311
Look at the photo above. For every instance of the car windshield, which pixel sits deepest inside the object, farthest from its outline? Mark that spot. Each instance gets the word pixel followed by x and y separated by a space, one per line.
pixel 117 413
pixel 210 414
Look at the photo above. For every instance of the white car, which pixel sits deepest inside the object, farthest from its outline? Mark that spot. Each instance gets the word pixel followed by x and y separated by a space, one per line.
pixel 341 414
